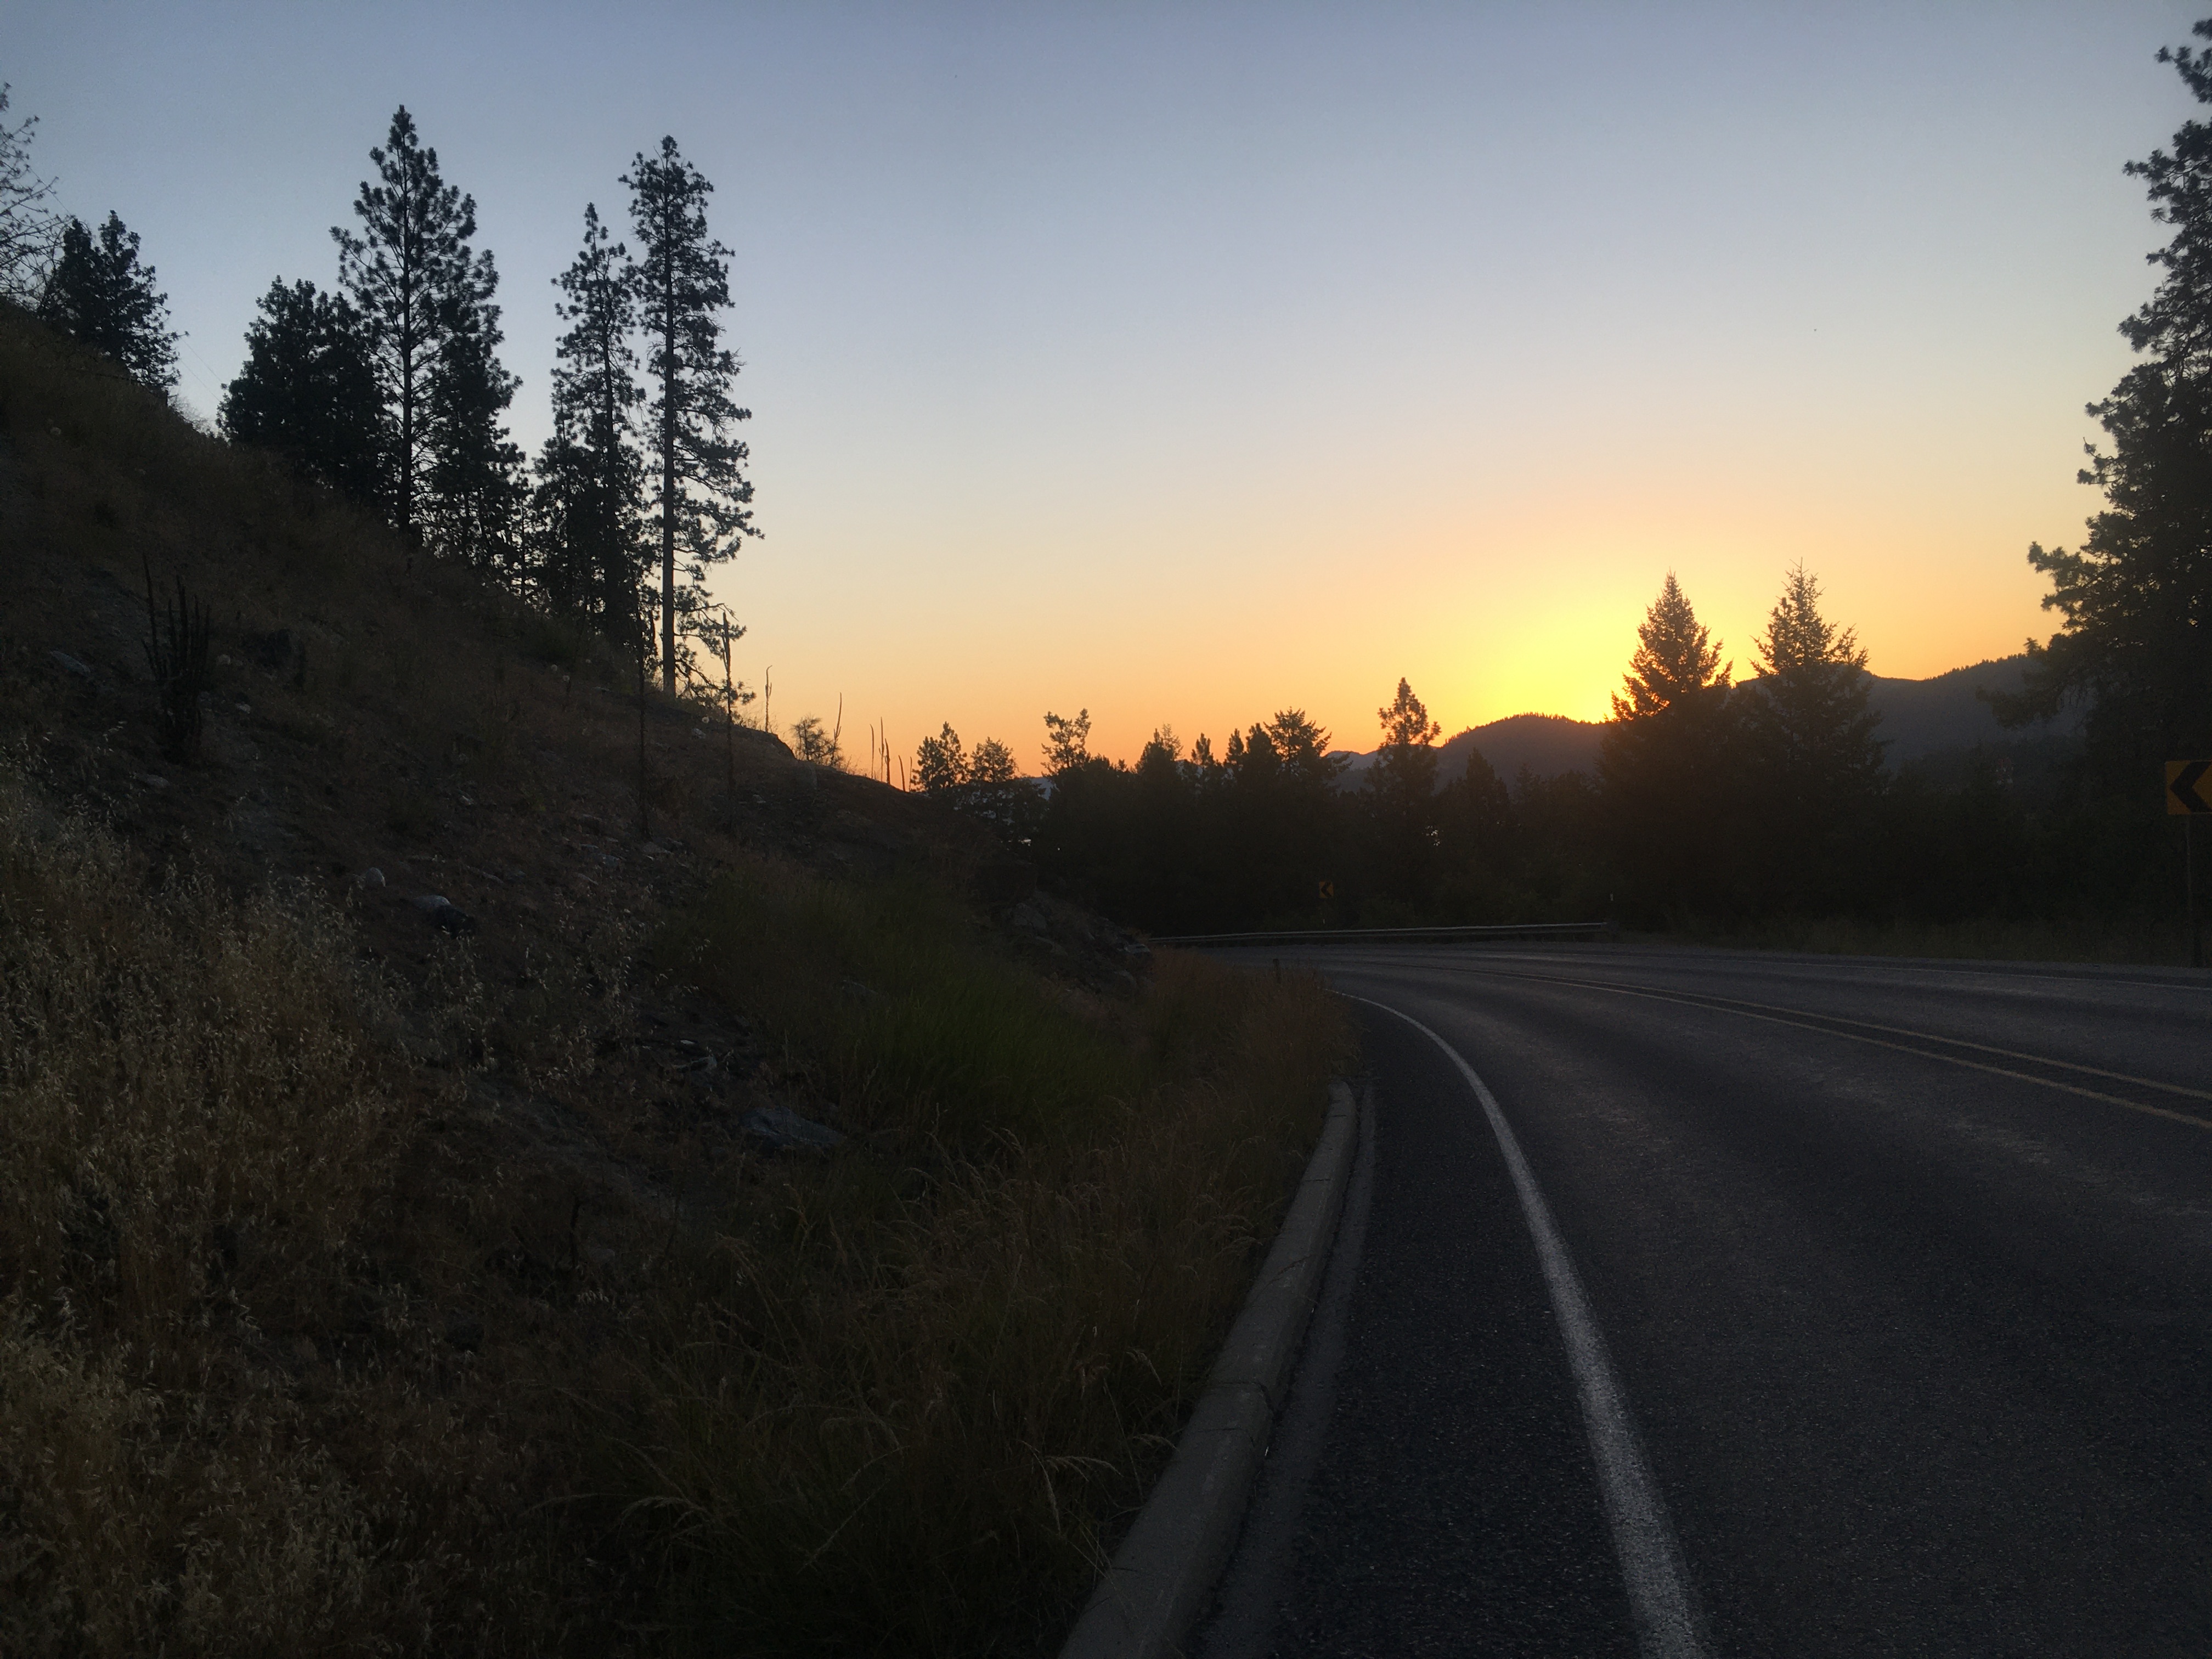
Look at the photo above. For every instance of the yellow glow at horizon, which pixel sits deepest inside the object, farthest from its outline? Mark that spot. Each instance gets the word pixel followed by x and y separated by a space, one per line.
pixel 1488 614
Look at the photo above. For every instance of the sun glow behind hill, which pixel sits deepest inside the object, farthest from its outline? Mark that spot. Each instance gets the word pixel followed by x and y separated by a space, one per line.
pixel 1489 613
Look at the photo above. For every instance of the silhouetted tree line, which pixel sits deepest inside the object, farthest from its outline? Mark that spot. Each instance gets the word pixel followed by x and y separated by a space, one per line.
pixel 388 389
pixel 1714 802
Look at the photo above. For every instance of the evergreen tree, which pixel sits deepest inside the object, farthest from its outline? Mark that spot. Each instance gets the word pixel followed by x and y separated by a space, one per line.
pixel 1292 822
pixel 101 296
pixel 2136 596
pixel 1662 759
pixel 811 742
pixel 701 495
pixel 412 277
pixel 559 526
pixel 982 785
pixel 594 400
pixel 472 507
pixel 1404 770
pixel 308 391
pixel 1301 747
pixel 1475 818
pixel 1068 742
pixel 1812 762
pixel 30 229
pixel 940 763
pixel 1674 660
pixel 992 765
pixel 1401 791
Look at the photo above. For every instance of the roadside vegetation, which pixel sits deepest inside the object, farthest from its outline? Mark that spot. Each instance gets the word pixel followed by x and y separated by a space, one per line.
pixel 375 1280
pixel 902 1404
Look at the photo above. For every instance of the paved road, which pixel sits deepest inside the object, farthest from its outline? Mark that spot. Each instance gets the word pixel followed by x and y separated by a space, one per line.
pixel 1900 1275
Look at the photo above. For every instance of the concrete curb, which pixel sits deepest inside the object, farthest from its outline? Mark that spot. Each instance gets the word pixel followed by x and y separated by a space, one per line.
pixel 1166 1568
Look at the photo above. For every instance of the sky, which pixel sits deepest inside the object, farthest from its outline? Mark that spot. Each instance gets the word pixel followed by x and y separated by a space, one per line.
pixel 1186 362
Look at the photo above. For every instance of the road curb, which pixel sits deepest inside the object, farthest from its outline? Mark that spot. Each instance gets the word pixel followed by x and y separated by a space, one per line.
pixel 1166 1568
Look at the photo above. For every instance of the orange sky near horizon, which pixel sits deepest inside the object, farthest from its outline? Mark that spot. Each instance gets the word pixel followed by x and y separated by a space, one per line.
pixel 1486 619
pixel 1497 590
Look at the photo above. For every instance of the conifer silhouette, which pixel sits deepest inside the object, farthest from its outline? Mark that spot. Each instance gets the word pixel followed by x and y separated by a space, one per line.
pixel 101 296
pixel 701 495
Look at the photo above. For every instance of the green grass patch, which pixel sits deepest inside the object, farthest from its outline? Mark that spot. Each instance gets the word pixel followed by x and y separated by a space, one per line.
pixel 903 1399
pixel 903 1017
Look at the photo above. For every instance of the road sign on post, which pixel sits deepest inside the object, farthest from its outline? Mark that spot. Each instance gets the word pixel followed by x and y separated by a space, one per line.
pixel 2187 788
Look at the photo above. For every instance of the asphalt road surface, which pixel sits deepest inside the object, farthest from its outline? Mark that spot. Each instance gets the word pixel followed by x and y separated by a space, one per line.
pixel 1866 1308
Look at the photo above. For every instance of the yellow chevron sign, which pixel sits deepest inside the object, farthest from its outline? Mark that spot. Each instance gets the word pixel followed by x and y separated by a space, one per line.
pixel 2186 787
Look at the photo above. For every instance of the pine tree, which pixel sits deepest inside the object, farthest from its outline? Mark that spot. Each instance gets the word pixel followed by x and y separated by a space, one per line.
pixel 409 274
pixel 1309 771
pixel 1475 818
pixel 1808 714
pixel 982 785
pixel 473 504
pixel 594 401
pixel 1674 660
pixel 1068 742
pixel 559 526
pixel 2136 596
pixel 101 296
pixel 30 229
pixel 701 497
pixel 1401 791
pixel 308 391
pixel 1812 763
pixel 1404 770
pixel 940 763
pixel 1662 760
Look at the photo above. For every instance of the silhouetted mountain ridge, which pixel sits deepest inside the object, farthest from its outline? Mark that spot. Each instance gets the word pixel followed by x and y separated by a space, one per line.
pixel 1918 718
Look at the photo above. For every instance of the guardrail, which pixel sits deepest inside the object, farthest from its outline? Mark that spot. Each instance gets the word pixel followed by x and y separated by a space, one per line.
pixel 1401 935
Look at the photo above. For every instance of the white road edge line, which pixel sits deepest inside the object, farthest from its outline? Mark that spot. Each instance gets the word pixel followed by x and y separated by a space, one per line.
pixel 1650 1561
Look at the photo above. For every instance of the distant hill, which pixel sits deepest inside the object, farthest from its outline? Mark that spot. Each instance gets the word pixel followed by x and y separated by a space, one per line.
pixel 1923 717
pixel 1547 744
pixel 1918 718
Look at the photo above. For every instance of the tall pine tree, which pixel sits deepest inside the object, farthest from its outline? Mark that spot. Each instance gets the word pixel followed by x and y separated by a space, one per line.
pixel 101 296
pixel 1402 795
pixel 413 278
pixel 1812 763
pixel 589 474
pixel 1662 759
pixel 308 391
pixel 702 498
pixel 2137 595
pixel 473 505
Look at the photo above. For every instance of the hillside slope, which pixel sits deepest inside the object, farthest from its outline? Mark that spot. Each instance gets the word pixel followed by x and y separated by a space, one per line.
pixel 491 1163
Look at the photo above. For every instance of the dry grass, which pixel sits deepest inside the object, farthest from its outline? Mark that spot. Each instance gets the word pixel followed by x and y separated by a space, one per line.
pixel 364 1290
pixel 190 1130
